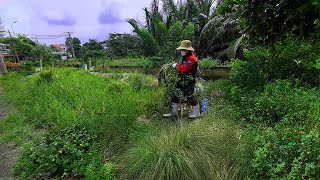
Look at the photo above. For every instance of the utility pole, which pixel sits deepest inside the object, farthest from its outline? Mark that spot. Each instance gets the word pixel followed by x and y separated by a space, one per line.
pixel 14 49
pixel 40 49
pixel 71 43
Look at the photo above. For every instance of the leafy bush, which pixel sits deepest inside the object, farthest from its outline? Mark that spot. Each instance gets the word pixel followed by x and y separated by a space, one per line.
pixel 290 59
pixel 123 45
pixel 209 63
pixel 69 63
pixel 282 101
pixel 158 60
pixel 140 81
pixel 145 62
pixel 287 153
pixel 28 67
pixel 267 22
pixel 65 153
pixel 45 77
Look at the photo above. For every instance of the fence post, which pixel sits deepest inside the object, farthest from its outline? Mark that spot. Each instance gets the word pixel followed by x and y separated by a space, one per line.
pixel 3 68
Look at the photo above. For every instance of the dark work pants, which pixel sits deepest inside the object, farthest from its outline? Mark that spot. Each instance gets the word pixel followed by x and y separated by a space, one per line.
pixel 188 92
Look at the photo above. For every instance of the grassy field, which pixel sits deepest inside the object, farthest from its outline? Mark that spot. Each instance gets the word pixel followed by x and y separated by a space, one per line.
pixel 75 124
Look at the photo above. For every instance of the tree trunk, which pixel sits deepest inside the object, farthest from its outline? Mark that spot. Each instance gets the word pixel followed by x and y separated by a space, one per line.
pixel 41 59
pixel 3 68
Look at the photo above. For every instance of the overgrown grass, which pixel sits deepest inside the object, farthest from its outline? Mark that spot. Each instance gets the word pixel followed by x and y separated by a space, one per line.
pixel 62 98
pixel 145 62
pixel 212 148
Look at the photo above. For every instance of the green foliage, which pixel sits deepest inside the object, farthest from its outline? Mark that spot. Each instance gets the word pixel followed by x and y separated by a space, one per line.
pixel 71 63
pixel 13 128
pixel 45 77
pixel 282 102
pixel 145 62
pixel 41 51
pixel 162 33
pixel 107 106
pixel 287 153
pixel 19 45
pixel 140 81
pixel 92 49
pixel 159 36
pixel 176 33
pixel 209 63
pixel 150 43
pixel 289 59
pixel 68 97
pixel 28 67
pixel 26 39
pixel 172 77
pixel 67 152
pixel 76 45
pixel 123 45
pixel 270 21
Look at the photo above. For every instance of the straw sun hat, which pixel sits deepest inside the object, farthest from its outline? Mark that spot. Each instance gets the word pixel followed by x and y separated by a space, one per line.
pixel 185 45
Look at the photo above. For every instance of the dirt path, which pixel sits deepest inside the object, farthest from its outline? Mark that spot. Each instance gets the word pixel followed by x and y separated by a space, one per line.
pixel 8 152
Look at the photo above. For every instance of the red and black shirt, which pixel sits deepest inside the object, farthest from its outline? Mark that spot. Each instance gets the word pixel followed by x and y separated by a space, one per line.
pixel 189 65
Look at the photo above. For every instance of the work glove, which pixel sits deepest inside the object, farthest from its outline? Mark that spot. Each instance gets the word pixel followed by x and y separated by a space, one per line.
pixel 174 65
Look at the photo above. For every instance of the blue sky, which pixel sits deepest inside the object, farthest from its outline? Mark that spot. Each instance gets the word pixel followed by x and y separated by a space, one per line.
pixel 86 18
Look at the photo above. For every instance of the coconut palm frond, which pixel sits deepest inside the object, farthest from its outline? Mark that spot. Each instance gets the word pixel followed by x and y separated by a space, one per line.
pixel 134 24
pixel 226 32
pixel 148 19
pixel 212 24
pixel 170 8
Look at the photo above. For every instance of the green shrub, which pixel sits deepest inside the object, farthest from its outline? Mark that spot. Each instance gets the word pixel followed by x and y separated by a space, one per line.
pixel 45 77
pixel 249 75
pixel 140 81
pixel 65 153
pixel 287 152
pixel 145 62
pixel 117 87
pixel 282 101
pixel 158 60
pixel 69 63
pixel 209 63
pixel 28 67
pixel 290 59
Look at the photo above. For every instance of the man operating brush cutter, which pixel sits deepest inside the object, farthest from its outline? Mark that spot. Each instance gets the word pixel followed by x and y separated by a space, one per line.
pixel 188 72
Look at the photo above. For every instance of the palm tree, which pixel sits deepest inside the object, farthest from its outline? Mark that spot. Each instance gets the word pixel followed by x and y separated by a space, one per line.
pixel 215 35
pixel 149 41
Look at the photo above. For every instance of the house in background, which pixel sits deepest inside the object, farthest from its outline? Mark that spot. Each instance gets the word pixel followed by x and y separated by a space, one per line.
pixel 5 49
pixel 60 49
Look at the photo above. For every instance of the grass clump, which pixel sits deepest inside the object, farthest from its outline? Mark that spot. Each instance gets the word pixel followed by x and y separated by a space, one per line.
pixel 202 150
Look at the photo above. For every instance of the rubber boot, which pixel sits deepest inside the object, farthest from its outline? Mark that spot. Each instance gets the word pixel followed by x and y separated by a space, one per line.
pixel 195 112
pixel 174 112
